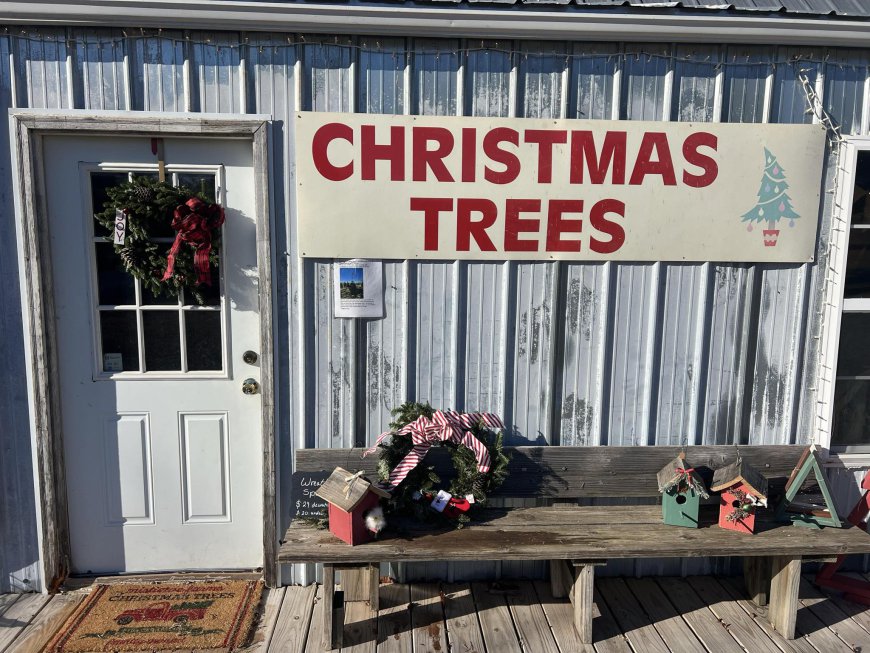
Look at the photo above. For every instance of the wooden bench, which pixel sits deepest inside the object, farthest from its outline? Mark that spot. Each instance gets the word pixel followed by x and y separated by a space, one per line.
pixel 576 538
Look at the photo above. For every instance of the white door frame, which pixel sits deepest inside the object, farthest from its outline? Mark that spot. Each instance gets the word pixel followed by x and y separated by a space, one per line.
pixel 28 128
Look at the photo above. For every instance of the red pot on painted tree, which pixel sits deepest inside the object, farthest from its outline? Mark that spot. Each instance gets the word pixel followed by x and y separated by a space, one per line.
pixel 744 490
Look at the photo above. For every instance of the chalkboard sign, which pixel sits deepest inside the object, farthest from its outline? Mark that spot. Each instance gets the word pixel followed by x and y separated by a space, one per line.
pixel 304 503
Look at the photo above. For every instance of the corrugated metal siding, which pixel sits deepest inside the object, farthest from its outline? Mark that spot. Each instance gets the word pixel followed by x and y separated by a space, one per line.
pixel 568 353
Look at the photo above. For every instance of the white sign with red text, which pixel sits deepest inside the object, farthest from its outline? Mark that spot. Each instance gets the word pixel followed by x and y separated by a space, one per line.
pixel 404 187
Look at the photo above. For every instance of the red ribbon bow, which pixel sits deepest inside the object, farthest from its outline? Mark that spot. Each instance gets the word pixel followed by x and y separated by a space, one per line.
pixel 194 221
pixel 444 426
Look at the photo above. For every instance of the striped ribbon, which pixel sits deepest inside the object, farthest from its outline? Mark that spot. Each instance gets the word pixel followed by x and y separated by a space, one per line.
pixel 446 426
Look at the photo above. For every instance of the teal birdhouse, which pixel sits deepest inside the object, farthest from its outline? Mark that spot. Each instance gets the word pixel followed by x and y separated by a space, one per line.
pixel 682 489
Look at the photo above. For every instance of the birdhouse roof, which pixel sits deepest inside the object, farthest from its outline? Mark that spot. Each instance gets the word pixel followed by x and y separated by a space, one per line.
pixel 346 489
pixel 740 472
pixel 676 469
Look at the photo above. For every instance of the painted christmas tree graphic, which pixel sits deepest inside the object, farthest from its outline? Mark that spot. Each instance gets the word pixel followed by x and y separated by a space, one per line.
pixel 773 203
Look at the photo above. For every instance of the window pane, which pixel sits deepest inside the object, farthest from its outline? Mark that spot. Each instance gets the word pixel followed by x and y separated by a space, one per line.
pixel 164 299
pixel 203 330
pixel 211 295
pixel 851 413
pixel 114 284
pixel 858 264
pixel 198 184
pixel 162 345
pixel 854 358
pixel 100 181
pixel 861 198
pixel 119 343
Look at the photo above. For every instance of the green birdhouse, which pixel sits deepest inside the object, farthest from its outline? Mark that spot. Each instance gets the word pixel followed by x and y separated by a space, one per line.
pixel 682 489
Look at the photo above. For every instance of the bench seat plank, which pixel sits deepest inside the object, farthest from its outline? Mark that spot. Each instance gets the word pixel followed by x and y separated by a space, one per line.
pixel 536 533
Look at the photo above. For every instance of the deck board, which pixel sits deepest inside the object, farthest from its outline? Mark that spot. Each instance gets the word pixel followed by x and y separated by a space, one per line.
pixel 394 619
pixel 739 622
pixel 837 621
pixel 18 617
pixel 706 626
pixel 699 613
pixel 631 618
pixel 7 600
pixel 560 617
pixel 530 621
pixel 675 632
pixel 293 620
pixel 495 619
pixel 313 642
pixel 51 617
pixel 427 619
pixel 735 591
pixel 856 611
pixel 462 623
pixel 270 606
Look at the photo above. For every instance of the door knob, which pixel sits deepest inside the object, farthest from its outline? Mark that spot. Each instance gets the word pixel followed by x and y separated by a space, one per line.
pixel 250 357
pixel 250 387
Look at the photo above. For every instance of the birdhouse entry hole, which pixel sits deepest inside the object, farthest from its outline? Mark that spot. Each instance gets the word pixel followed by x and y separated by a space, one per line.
pixel 681 499
pixel 735 504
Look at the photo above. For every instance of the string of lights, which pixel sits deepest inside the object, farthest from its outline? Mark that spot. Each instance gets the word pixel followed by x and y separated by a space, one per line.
pixel 734 56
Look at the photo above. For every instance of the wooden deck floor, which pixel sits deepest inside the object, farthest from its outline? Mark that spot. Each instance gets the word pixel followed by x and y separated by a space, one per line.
pixel 633 615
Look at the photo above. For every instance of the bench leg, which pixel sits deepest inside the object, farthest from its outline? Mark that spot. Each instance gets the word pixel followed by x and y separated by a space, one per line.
pixel 561 578
pixel 784 584
pixel 756 575
pixel 361 583
pixel 333 611
pixel 581 594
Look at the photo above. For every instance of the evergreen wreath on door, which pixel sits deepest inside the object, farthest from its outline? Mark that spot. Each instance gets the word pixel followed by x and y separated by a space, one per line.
pixel 151 207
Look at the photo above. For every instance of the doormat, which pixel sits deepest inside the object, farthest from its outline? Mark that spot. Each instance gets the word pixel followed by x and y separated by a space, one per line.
pixel 158 616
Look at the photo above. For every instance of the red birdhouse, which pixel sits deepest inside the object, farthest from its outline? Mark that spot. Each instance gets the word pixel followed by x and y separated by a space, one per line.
pixel 743 490
pixel 350 497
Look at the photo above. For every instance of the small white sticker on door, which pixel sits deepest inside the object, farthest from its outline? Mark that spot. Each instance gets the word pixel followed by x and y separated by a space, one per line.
pixel 113 363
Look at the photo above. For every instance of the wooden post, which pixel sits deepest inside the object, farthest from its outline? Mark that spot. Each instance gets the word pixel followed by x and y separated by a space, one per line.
pixel 785 580
pixel 561 579
pixel 583 604
pixel 333 611
pixel 360 583
pixel 756 575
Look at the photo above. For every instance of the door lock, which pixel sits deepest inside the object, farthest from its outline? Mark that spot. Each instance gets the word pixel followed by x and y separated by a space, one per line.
pixel 250 357
pixel 250 387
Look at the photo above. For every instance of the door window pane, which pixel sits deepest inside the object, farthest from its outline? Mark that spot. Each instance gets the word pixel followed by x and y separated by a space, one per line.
pixel 100 181
pixel 851 413
pixel 120 349
pixel 114 284
pixel 203 330
pixel 162 346
pixel 203 184
pixel 211 295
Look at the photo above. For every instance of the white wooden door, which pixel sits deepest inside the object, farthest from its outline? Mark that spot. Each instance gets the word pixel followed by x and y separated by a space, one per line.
pixel 164 457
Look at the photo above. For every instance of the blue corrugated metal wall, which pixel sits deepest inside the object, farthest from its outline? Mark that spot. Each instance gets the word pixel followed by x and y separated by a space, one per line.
pixel 567 353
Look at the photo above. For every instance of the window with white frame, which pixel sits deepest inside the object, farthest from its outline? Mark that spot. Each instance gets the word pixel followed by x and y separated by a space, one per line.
pixel 851 425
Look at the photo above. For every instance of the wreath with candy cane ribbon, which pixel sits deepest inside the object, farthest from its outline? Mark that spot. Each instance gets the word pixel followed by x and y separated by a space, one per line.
pixel 475 444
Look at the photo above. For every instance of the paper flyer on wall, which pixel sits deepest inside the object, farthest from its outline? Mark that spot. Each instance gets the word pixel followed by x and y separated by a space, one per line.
pixel 359 288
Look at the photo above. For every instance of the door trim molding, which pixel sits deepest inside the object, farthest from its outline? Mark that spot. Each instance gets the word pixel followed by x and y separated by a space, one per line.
pixel 28 129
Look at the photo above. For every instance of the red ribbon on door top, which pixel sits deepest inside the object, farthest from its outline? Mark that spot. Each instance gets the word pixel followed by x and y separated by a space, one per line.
pixel 195 221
